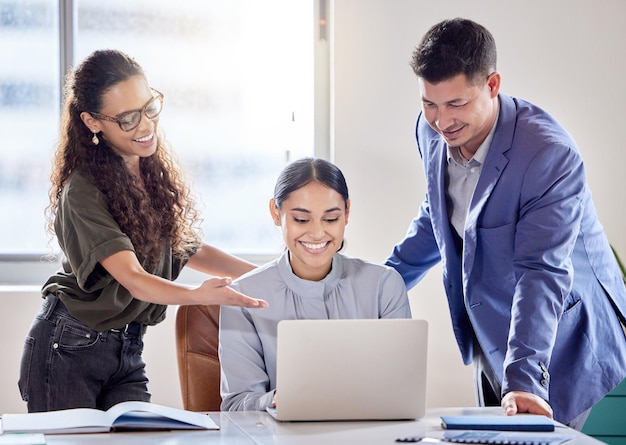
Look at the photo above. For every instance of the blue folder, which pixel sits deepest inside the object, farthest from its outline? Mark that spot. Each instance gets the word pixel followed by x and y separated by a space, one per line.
pixel 519 422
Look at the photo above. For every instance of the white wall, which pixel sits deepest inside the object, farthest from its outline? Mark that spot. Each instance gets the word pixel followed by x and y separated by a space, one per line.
pixel 565 55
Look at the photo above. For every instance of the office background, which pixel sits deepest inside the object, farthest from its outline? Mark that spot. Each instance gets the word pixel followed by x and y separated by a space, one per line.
pixel 565 55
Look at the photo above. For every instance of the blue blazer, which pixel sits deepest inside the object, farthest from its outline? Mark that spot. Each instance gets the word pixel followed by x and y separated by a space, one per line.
pixel 536 281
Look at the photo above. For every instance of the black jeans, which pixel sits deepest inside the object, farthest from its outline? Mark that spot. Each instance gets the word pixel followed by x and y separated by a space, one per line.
pixel 65 364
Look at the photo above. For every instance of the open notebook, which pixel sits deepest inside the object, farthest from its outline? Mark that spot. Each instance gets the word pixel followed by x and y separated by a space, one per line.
pixel 351 369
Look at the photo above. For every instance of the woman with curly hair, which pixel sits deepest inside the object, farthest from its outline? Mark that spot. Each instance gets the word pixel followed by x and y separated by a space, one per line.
pixel 127 225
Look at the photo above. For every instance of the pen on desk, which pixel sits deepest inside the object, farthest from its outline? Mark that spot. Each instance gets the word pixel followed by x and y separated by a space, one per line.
pixel 412 439
pixel 409 439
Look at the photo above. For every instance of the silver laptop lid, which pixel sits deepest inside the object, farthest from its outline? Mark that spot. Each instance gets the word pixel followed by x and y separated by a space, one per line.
pixel 351 369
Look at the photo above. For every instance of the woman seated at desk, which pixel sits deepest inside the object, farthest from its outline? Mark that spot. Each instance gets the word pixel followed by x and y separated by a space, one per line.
pixel 310 280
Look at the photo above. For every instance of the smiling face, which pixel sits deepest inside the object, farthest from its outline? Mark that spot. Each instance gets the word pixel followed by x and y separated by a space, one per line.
pixel 313 220
pixel 461 112
pixel 128 95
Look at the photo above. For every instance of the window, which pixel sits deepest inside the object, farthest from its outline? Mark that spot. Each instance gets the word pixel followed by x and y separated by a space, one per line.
pixel 239 86
pixel 29 117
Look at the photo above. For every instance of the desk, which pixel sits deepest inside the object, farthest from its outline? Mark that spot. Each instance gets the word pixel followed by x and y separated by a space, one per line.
pixel 249 428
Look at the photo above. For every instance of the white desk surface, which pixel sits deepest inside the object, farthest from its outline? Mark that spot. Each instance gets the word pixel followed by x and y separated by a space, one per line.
pixel 248 428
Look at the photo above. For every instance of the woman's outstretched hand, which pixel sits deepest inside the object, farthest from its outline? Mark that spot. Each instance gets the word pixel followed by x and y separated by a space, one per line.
pixel 217 291
pixel 125 268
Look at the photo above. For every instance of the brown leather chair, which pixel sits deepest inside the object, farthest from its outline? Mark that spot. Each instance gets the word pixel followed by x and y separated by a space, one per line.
pixel 197 334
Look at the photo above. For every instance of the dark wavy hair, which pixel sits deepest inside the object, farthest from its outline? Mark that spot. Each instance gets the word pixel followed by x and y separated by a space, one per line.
pixel 453 47
pixel 160 214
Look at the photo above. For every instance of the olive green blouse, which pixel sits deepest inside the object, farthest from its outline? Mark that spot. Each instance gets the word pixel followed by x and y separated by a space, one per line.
pixel 87 233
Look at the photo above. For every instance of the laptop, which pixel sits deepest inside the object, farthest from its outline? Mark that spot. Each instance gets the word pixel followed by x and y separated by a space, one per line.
pixel 351 369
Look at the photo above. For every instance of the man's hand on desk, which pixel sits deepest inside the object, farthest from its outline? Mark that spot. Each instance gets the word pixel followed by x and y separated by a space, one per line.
pixel 516 402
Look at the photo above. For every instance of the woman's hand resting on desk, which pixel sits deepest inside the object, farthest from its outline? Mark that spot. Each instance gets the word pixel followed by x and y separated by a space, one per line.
pixel 516 402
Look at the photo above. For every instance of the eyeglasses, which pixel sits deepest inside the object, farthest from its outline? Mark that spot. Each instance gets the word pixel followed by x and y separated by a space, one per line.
pixel 130 119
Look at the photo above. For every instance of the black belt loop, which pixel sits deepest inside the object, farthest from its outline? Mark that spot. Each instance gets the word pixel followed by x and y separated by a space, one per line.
pixel 53 301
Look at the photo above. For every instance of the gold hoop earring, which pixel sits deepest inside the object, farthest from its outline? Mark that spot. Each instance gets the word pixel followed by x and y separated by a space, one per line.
pixel 95 139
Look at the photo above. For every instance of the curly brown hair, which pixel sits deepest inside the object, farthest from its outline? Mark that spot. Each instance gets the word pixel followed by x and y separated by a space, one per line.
pixel 160 214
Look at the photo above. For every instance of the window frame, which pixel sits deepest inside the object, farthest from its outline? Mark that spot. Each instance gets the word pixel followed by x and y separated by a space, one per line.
pixel 26 270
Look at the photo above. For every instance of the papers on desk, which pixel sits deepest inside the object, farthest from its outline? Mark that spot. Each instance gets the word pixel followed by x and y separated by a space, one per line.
pixel 521 429
pixel 489 437
pixel 125 416
pixel 508 437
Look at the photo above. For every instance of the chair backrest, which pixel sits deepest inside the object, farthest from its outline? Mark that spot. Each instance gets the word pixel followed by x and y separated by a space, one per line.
pixel 197 335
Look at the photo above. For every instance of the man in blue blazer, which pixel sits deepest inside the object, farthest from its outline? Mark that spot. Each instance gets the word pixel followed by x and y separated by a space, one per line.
pixel 536 296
